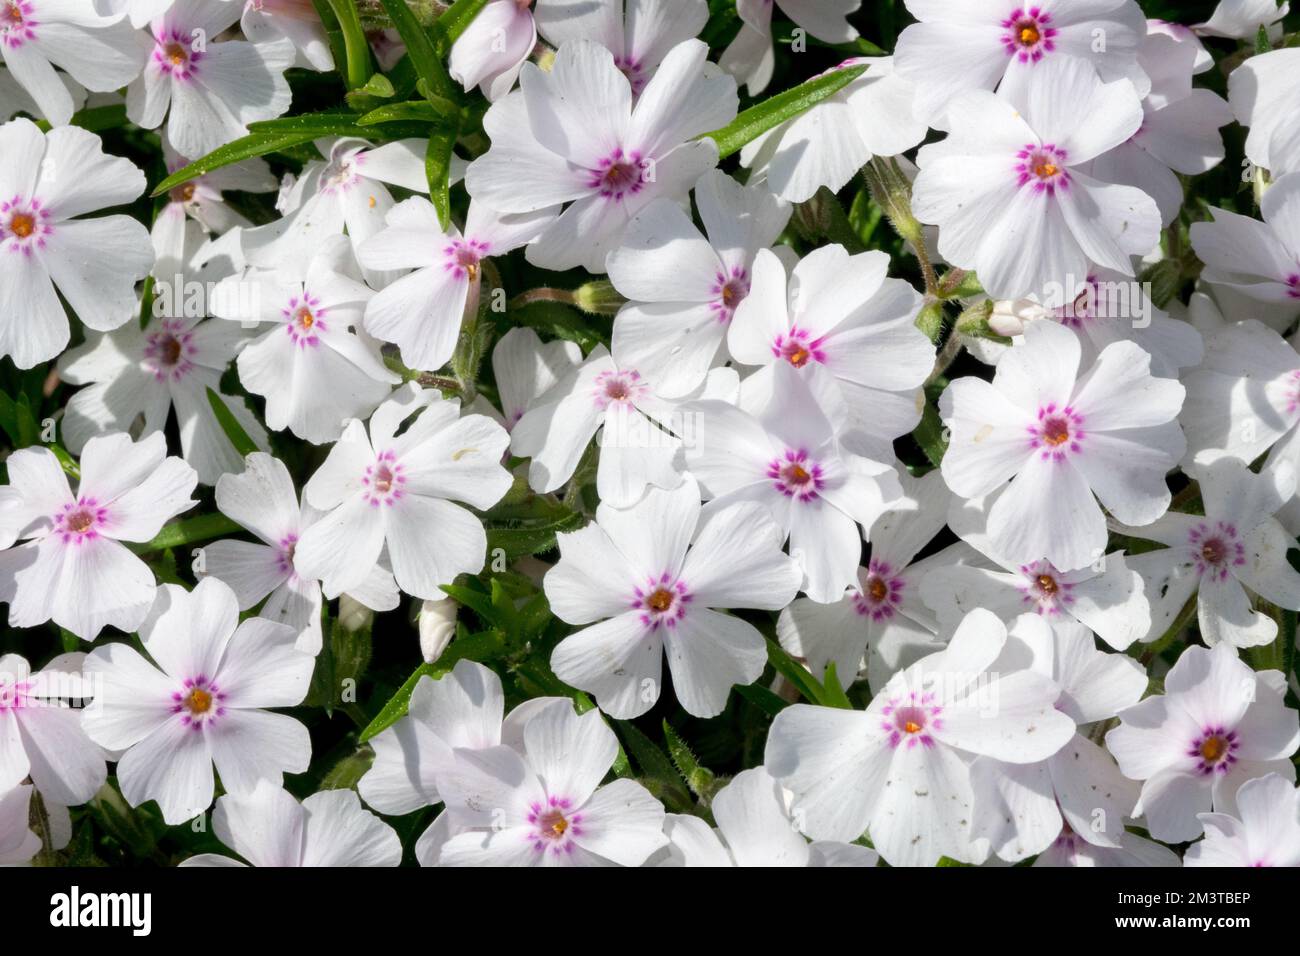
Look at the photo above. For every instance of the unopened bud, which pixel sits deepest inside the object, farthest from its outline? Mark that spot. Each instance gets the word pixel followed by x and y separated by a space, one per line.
pixel 598 297
pixel 353 615
pixel 437 625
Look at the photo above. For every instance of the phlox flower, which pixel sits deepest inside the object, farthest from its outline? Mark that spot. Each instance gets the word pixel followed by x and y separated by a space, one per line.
pixel 41 736
pixel 754 829
pixel 1179 131
pixel 1106 596
pixel 574 136
pixel 1063 434
pixel 262 499
pixel 268 827
pixel 545 806
pixel 266 21
pixel 137 12
pixel 783 454
pixel 464 709
pixel 1010 192
pixel 900 769
pixel 1235 550
pixel 72 566
pixel 138 375
pixel 525 368
pixel 1217 725
pixel 1070 849
pixel 47 179
pixel 202 198
pixel 1241 19
pixel 421 312
pixel 1262 92
pixel 983 44
pixel 313 370
pixel 683 288
pixel 1265 830
pixel 639 33
pixel 849 331
pixel 1023 808
pixel 99 52
pixel 18 841
pixel 380 488
pixel 750 57
pixel 1260 259
pixel 881 616
pixel 214 88
pixel 646 579
pixel 491 51
pixel 199 701
pixel 829 143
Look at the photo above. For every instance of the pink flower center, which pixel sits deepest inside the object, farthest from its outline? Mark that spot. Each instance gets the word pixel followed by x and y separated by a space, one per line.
pixel 1041 586
pixel 554 824
pixel 798 347
pixel 169 353
pixel 199 702
pixel 462 257
pixel 795 476
pixel 1057 433
pixel 910 719
pixel 881 593
pixel 174 53
pixel 383 480
pixel 617 388
pixel 730 291
pixel 24 225
pixel 304 319
pixel 1042 168
pixel 1027 34
pixel 1215 750
pixel 662 601
pixel 618 175
pixel 1216 549
pixel 16 22
pixel 80 521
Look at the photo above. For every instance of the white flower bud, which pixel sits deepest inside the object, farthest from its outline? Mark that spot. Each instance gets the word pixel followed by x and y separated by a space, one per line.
pixel 437 624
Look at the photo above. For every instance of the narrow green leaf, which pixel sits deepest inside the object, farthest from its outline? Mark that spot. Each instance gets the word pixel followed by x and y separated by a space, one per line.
pixel 416 111
pixel 356 48
pixel 794 672
pixel 246 147
pixel 775 110
pixel 658 772
pixel 832 693
pixel 230 425
pixel 324 123
pixel 762 698
pixel 437 167
pixel 419 46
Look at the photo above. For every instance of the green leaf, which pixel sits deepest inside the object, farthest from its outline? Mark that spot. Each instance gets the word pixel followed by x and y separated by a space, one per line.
pixel 762 698
pixel 794 672
pixel 775 110
pixel 832 693
pixel 437 167
pixel 448 27
pixel 419 46
pixel 658 773
pixel 246 147
pixel 230 425
pixel 930 435
pixel 476 647
pixel 518 541
pixel 415 111
pixel 18 422
pixel 356 48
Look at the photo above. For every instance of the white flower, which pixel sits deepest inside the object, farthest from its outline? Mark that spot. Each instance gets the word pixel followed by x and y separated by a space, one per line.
pixel 646 579
pixel 201 198
pixel 639 33
pixel 981 44
pixel 491 51
pixel 384 488
pixel 46 179
pixel 1062 435
pixel 525 368
pixel 265 21
pixel 1261 259
pixel 139 12
pixel 1241 19
pixel 262 500
pixel 750 57
pixel 1070 849
pixel 18 842
pixel 41 736
pixel 828 144
pixel 199 702
pixel 215 89
pixel 683 288
pixel 72 566
pixel 1179 131
pixel 640 432
pixel 881 616
pixel 463 709
pixel 1111 308
pixel 784 455
pixel 900 769
pixel 1235 550
pixel 754 829
pixel 1265 831
pixel 1217 724
pixel 422 311
pixel 135 374
pixel 849 331
pixel 99 53
pixel 1022 808
pixel 1263 93
pixel 268 827
pixel 1107 596
pixel 1010 193
pixel 313 370
pixel 346 190
pixel 573 136
pixel 545 807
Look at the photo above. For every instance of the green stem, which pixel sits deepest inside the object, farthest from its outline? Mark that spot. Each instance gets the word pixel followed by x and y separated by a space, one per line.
pixel 356 47
pixel 541 294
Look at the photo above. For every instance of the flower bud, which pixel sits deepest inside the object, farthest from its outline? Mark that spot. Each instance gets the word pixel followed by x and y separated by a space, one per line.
pixel 437 625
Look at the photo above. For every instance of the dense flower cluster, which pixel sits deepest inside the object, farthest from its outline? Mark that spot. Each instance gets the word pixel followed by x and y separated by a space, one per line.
pixel 656 471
